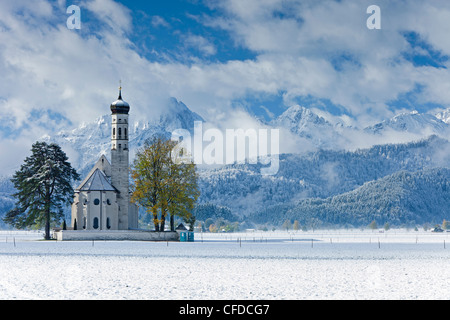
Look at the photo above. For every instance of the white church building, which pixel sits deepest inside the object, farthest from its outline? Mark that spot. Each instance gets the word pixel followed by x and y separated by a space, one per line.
pixel 101 208
pixel 102 200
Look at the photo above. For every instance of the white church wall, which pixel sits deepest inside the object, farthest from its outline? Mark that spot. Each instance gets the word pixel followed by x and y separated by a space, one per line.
pixel 77 210
pixel 110 208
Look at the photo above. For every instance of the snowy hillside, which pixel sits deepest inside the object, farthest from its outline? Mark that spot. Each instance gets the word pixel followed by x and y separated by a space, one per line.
pixel 318 174
pixel 401 198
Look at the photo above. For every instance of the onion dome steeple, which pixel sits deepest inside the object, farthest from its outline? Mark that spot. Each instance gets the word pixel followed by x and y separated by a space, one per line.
pixel 120 106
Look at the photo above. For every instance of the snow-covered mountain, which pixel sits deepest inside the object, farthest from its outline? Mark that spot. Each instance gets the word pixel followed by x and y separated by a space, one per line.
pixel 412 122
pixel 306 124
pixel 324 134
pixel 301 121
pixel 86 144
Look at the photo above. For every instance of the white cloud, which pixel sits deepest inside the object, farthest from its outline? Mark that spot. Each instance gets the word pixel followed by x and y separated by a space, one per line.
pixel 201 44
pixel 302 38
pixel 76 73
pixel 45 66
pixel 115 15
pixel 12 154
pixel 158 21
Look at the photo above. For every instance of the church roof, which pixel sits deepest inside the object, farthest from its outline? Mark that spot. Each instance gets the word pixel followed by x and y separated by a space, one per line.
pixel 181 227
pixel 97 182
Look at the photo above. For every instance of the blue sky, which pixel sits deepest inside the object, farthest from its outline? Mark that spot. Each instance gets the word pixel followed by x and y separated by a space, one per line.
pixel 175 30
pixel 167 30
pixel 228 60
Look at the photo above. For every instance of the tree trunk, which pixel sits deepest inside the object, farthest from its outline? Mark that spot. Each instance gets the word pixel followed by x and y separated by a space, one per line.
pixel 156 222
pixel 47 220
pixel 155 218
pixel 172 222
pixel 163 222
pixel 163 216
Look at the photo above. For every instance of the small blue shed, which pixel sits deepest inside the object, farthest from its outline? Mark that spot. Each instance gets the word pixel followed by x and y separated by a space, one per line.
pixel 185 234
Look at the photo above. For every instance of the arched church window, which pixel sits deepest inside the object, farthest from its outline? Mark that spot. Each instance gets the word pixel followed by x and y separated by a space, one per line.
pixel 114 132
pixel 84 222
pixel 108 223
pixel 96 202
pixel 125 129
pixel 120 132
pixel 108 202
pixel 95 223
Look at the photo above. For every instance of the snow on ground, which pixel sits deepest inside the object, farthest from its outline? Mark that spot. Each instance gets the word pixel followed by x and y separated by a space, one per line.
pixel 341 264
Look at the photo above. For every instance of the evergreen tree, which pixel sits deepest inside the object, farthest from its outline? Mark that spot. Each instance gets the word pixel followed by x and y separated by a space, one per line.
pixel 190 219
pixel 43 185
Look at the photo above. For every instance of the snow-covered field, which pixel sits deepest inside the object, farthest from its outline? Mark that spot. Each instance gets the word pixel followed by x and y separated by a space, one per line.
pixel 278 265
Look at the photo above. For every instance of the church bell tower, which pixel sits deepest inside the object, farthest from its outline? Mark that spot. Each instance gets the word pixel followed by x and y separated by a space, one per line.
pixel 120 158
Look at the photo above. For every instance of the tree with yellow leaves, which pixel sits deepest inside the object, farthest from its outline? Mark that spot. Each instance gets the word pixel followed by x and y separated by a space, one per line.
pixel 162 184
